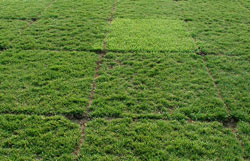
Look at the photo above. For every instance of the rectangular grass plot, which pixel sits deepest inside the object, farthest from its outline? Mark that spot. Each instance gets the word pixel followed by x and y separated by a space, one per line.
pixel 155 84
pixel 22 9
pixel 137 9
pixel 79 9
pixel 124 139
pixel 9 30
pixel 149 35
pixel 37 137
pixel 45 82
pixel 232 75
pixel 219 27
pixel 63 34
pixel 243 129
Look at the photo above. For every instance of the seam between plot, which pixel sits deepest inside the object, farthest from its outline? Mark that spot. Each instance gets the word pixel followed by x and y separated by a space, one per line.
pixel 93 85
pixel 30 22
pixel 226 123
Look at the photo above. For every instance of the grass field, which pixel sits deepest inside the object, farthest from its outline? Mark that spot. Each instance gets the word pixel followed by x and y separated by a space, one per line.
pixel 129 80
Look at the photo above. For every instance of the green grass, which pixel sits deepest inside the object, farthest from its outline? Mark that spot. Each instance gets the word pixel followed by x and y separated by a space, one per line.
pixel 145 9
pixel 148 95
pixel 220 27
pixel 124 139
pixel 79 9
pixel 37 137
pixel 232 75
pixel 9 29
pixel 45 82
pixel 149 35
pixel 244 134
pixel 63 34
pixel 22 9
pixel 156 83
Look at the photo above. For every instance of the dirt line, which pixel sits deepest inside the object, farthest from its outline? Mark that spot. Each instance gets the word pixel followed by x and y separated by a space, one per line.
pixel 229 123
pixel 33 20
pixel 215 85
pixel 93 85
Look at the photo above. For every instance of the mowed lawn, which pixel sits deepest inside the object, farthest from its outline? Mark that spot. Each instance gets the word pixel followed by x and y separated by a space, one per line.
pixel 130 80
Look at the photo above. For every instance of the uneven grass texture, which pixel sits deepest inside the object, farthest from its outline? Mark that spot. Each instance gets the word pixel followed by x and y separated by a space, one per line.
pixel 144 83
pixel 124 139
pixel 36 137
pixel 45 82
pixel 144 79
pixel 232 75
pixel 9 29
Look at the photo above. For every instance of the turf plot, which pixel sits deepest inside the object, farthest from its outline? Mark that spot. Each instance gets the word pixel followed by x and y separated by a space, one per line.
pixel 45 82
pixel 9 29
pixel 22 9
pixel 232 75
pixel 37 137
pixel 219 27
pixel 124 139
pixel 158 84
pixel 149 35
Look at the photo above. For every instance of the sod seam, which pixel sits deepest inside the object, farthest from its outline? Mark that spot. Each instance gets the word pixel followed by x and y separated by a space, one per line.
pixel 227 123
pixel 29 23
pixel 93 85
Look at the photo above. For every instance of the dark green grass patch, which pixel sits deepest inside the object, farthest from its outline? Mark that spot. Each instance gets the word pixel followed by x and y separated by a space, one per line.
pixel 36 137
pixel 220 27
pixel 45 82
pixel 124 139
pixel 9 30
pixel 156 83
pixel 22 9
pixel 63 34
pixel 243 129
pixel 71 9
pixel 232 75
pixel 137 9
pixel 149 35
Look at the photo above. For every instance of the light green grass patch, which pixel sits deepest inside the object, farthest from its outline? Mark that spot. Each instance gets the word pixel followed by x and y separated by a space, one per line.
pixel 22 9
pixel 232 75
pixel 243 129
pixel 149 35
pixel 45 82
pixel 124 139
pixel 63 34
pixel 156 83
pixel 9 30
pixel 37 137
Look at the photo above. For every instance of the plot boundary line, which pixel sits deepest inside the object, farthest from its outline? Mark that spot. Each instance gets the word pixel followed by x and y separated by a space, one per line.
pixel 93 85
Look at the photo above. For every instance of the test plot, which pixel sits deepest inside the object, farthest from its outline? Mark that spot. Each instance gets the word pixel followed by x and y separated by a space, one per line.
pixel 37 137
pixel 124 139
pixel 63 34
pixel 149 35
pixel 45 82
pixel 219 27
pixel 156 83
pixel 22 9
pixel 232 75
pixel 10 30
pixel 78 9
pixel 243 129
pixel 145 9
